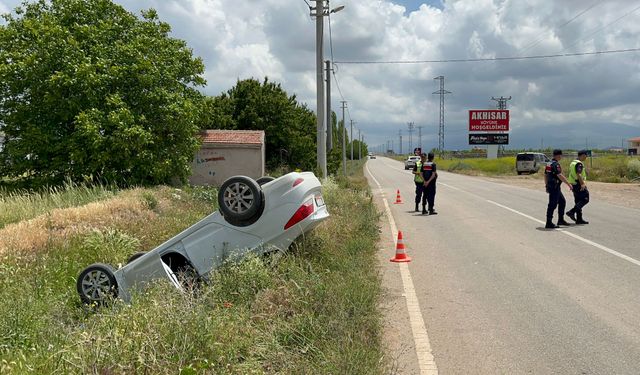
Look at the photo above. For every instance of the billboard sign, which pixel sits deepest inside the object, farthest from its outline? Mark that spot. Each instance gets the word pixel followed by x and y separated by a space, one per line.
pixel 488 120
pixel 489 139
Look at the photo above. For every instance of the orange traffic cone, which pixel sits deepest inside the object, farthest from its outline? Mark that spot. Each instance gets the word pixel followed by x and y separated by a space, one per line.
pixel 401 256
pixel 398 198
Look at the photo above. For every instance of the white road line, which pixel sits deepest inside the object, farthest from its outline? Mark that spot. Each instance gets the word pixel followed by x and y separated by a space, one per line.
pixel 426 361
pixel 603 248
pixel 572 235
pixel 517 212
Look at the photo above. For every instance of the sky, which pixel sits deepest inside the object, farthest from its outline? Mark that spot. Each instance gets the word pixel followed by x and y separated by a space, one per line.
pixel 569 102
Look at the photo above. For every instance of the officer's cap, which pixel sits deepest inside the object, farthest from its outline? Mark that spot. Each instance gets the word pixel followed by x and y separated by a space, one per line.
pixel 583 152
pixel 557 152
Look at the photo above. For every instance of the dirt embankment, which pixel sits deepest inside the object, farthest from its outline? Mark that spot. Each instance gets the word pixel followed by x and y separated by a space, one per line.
pixel 627 195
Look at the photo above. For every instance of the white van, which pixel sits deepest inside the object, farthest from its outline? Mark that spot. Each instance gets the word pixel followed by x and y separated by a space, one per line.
pixel 530 162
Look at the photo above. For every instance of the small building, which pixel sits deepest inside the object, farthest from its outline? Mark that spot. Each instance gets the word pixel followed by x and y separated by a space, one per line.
pixel 226 153
pixel 634 146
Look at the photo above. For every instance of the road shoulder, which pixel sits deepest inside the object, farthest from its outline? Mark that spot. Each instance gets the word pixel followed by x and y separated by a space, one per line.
pixel 397 334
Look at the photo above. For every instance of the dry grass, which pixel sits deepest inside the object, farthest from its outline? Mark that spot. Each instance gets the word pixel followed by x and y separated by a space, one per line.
pixel 312 311
pixel 51 228
pixel 17 205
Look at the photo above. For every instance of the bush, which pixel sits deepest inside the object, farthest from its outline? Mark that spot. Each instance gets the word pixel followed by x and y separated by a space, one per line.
pixel 111 98
pixel 633 169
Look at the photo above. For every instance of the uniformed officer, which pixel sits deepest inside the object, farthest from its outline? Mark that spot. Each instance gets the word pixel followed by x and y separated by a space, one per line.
pixel 419 181
pixel 430 175
pixel 553 179
pixel 578 179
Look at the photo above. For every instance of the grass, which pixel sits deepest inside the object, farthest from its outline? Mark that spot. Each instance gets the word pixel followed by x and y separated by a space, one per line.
pixel 492 167
pixel 606 168
pixel 312 310
pixel 17 205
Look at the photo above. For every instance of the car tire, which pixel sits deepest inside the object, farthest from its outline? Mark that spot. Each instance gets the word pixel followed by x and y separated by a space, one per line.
pixel 97 284
pixel 519 173
pixel 240 199
pixel 264 180
pixel 135 256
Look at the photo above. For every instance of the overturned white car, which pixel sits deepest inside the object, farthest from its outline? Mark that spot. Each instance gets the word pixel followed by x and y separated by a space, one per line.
pixel 254 216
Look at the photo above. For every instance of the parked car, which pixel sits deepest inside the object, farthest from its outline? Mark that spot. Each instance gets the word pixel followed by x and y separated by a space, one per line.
pixel 411 162
pixel 530 162
pixel 254 216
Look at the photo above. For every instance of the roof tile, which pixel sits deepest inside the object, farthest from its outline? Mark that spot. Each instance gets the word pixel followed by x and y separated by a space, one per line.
pixel 254 137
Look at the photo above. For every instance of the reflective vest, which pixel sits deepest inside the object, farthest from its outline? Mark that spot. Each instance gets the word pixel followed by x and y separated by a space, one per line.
pixel 573 174
pixel 418 178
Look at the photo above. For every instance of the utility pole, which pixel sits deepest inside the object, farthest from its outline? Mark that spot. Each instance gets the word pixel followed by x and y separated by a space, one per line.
pixel 320 105
pixel 442 92
pixel 400 141
pixel 411 126
pixel 351 140
pixel 502 104
pixel 344 140
pixel 420 136
pixel 329 117
pixel 359 146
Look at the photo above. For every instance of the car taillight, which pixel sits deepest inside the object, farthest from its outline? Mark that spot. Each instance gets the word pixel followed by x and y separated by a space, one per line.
pixel 302 213
pixel 297 182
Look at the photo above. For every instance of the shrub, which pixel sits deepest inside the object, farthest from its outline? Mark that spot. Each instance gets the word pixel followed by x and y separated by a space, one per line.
pixel 633 169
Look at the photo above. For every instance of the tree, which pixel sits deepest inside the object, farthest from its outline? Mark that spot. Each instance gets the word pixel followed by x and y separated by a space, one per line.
pixel 89 90
pixel 289 126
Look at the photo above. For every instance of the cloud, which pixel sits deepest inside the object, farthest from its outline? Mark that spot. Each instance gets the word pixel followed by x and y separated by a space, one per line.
pixel 252 38
pixel 3 8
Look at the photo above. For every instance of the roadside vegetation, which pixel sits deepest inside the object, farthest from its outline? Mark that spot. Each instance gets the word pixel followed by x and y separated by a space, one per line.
pixel 312 309
pixel 17 205
pixel 604 168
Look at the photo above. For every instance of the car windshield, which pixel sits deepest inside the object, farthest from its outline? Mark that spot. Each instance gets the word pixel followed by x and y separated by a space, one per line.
pixel 524 157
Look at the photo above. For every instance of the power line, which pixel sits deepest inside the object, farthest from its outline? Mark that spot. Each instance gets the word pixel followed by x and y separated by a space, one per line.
pixel 333 72
pixel 601 28
pixel 337 84
pixel 330 35
pixel 558 55
pixel 531 45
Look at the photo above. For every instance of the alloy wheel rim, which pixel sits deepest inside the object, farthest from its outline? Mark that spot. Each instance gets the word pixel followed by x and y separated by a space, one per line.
pixel 238 197
pixel 96 285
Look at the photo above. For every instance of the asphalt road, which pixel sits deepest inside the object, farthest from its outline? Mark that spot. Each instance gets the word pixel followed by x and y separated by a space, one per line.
pixel 501 295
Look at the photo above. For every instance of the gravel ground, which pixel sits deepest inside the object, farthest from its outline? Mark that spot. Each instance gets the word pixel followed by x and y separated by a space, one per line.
pixel 627 195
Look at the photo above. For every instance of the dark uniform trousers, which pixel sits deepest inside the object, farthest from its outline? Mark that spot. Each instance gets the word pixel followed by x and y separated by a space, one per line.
pixel 581 198
pixel 429 195
pixel 556 199
pixel 419 191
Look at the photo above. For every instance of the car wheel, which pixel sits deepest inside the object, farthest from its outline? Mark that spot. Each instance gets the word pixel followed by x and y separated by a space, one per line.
pixel 519 173
pixel 97 284
pixel 240 199
pixel 264 179
pixel 135 256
